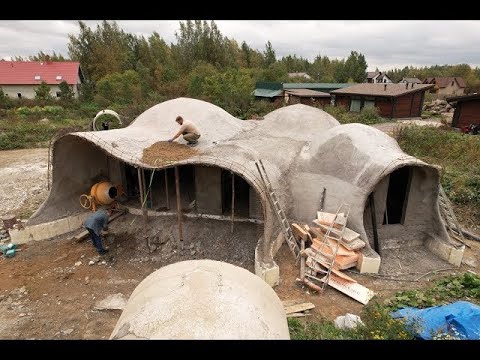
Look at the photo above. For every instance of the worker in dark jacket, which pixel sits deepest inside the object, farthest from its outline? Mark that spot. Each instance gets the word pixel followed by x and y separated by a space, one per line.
pixel 95 223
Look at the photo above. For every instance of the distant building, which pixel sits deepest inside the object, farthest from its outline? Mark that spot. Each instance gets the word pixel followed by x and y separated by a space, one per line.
pixel 299 74
pixel 19 79
pixel 307 97
pixel 376 77
pixel 446 86
pixel 467 110
pixel 410 80
pixel 392 100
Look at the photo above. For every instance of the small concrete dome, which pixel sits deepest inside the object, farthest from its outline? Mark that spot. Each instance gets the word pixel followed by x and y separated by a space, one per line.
pixel 202 299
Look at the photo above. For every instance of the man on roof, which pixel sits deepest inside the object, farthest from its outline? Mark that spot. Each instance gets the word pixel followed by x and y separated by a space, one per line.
pixel 188 130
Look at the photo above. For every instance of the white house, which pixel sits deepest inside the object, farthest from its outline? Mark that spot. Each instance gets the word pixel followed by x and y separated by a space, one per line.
pixel 376 77
pixel 19 79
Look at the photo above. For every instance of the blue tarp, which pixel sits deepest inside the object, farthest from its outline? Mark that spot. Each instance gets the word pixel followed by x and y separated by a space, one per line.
pixel 461 319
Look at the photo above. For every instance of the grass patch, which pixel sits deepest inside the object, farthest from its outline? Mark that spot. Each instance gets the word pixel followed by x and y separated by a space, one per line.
pixel 367 116
pixel 20 134
pixel 444 291
pixel 378 325
pixel 458 155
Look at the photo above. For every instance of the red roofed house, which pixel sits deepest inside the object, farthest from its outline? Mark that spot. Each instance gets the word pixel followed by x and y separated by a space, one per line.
pixel 446 86
pixel 19 79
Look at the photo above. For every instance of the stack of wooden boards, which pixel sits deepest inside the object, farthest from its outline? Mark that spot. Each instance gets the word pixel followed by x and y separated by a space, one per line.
pixel 347 254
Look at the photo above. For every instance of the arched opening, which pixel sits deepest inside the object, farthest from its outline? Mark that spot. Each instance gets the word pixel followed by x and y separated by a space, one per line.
pixel 204 190
pixel 401 217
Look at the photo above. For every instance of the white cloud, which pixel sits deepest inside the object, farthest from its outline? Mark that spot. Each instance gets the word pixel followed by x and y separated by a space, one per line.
pixel 385 44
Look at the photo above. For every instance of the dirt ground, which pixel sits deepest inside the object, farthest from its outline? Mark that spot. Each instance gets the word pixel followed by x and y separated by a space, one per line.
pixel 49 290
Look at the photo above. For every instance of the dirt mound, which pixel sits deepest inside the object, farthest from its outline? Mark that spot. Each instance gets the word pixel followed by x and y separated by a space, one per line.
pixel 163 152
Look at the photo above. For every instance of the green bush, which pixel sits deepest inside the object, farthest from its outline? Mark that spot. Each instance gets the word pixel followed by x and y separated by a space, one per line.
pixel 367 116
pixel 458 155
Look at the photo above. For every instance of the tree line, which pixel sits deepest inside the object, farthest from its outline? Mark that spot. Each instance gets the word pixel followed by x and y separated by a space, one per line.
pixel 124 68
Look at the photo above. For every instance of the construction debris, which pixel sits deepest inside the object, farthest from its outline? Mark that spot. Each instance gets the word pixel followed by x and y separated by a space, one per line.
pixel 348 321
pixel 333 247
pixel 298 308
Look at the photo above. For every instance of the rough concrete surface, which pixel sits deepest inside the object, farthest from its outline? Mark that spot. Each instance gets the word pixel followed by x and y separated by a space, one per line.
pixel 202 299
pixel 43 295
pixel 304 149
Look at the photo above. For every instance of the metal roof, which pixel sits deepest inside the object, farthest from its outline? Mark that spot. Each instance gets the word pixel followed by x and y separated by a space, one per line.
pixel 388 90
pixel 267 93
pixel 306 93
pixel 34 72
pixel 313 86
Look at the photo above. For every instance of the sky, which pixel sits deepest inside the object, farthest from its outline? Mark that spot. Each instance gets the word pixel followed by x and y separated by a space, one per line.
pixel 385 44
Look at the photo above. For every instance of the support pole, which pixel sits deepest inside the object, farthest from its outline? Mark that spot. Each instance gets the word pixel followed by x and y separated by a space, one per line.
pixel 142 189
pixel 166 190
pixel 150 189
pixel 233 199
pixel 302 259
pixel 374 224
pixel 179 206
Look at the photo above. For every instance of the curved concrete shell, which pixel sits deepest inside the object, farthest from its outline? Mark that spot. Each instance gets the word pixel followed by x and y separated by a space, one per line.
pixel 304 150
pixel 202 299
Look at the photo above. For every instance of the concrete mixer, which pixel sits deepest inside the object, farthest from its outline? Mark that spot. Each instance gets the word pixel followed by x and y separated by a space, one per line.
pixel 102 193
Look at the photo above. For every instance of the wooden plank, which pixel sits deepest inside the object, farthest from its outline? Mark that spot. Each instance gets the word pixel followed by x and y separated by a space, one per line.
pixel 298 315
pixel 298 308
pixel 299 233
pixel 348 234
pixel 357 244
pixel 354 290
pixel 328 218
pixel 311 264
pixel 342 250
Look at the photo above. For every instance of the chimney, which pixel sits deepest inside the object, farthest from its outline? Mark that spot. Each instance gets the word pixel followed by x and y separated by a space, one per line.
pixel 385 87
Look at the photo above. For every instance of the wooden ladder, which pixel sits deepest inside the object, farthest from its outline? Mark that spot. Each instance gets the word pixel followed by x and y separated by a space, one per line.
pixel 335 233
pixel 448 216
pixel 277 209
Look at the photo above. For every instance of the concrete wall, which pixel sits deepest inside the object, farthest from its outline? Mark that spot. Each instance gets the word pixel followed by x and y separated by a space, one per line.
pixel 255 205
pixel 202 299
pixel 76 168
pixel 28 91
pixel 208 189
pixel 418 224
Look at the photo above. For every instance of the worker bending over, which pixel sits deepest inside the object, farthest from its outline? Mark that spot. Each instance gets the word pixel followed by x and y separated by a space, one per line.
pixel 188 130
pixel 95 223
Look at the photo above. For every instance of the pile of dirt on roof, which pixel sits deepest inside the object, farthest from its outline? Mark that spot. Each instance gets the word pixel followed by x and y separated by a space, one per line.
pixel 164 152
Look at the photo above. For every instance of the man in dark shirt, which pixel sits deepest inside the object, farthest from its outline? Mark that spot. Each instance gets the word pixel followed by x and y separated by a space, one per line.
pixel 95 223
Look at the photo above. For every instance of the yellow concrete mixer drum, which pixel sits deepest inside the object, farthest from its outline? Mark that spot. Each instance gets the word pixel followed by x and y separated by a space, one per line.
pixel 101 194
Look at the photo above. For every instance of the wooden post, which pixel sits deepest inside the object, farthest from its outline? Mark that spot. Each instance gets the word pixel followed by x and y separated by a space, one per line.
pixel 302 259
pixel 233 199
pixel 144 207
pixel 150 189
pixel 166 189
pixel 179 206
pixel 141 188
pixel 374 224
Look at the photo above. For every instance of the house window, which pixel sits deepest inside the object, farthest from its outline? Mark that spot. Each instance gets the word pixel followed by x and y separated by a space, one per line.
pixel 19 95
pixel 369 104
pixel 355 105
pixel 37 77
pixel 59 77
pixel 59 93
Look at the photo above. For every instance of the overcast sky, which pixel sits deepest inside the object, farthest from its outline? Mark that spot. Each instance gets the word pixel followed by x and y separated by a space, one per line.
pixel 385 44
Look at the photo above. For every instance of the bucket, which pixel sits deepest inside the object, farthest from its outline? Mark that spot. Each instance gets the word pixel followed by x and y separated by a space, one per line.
pixel 9 221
